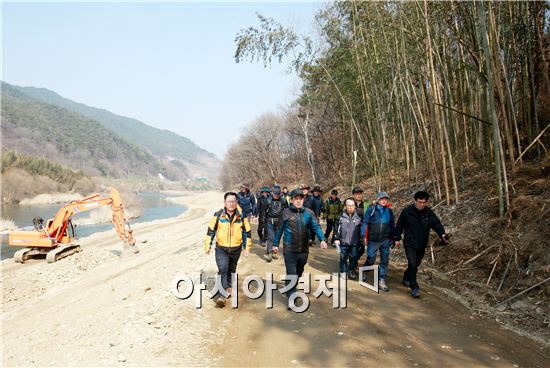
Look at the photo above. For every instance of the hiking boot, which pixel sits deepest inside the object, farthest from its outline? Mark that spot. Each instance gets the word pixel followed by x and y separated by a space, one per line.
pixel 415 293
pixel 352 275
pixel 221 301
pixel 274 256
pixel 382 285
pixel 269 257
pixel 406 283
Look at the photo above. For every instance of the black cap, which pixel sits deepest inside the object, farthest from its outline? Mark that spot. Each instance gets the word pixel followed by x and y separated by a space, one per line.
pixel 334 192
pixel 316 189
pixel 296 193
pixel 357 190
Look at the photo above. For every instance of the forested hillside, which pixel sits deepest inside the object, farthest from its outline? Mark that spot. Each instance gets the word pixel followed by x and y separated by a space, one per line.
pixel 165 145
pixel 414 91
pixel 65 137
pixel 448 97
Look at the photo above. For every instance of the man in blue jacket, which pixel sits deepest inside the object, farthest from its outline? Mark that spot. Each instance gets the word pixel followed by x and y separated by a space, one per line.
pixel 379 228
pixel 246 201
pixel 294 226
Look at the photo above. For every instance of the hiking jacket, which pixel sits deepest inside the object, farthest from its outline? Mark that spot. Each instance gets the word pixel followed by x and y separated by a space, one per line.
pixel 380 223
pixel 228 231
pixel 416 226
pixel 263 203
pixel 247 202
pixel 315 204
pixel 332 209
pixel 360 208
pixel 274 209
pixel 347 229
pixel 294 228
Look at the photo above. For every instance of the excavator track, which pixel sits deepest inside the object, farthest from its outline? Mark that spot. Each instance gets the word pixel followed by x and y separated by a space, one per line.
pixel 62 251
pixel 25 254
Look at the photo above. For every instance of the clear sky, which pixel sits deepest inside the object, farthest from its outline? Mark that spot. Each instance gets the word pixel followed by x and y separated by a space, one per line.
pixel 169 65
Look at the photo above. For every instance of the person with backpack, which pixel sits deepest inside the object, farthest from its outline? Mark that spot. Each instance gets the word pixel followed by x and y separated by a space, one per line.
pixel 347 232
pixel 263 203
pixel 230 230
pixel 247 202
pixel 416 221
pixel 378 229
pixel 332 211
pixel 276 205
pixel 295 223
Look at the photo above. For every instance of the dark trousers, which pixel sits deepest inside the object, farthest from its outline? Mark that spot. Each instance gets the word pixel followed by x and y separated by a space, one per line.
pixel 294 264
pixel 261 231
pixel 330 226
pixel 226 259
pixel 414 259
pixel 360 249
pixel 348 258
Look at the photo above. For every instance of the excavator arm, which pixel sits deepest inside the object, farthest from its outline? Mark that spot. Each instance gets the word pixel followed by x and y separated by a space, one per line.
pixel 55 241
pixel 57 227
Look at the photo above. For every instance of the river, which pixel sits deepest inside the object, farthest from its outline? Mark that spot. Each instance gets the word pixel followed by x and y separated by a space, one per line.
pixel 154 206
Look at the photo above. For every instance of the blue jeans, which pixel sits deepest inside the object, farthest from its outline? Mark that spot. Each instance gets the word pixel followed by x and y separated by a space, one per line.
pixel 272 227
pixel 348 252
pixel 372 249
pixel 294 264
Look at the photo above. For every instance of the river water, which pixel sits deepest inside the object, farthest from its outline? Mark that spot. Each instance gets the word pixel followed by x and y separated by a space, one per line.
pixel 154 206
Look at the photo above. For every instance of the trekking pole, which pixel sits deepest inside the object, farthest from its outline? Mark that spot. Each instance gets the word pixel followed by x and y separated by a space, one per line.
pixel 432 252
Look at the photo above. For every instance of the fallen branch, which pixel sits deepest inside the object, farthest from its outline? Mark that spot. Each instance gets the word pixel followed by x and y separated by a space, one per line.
pixel 523 292
pixel 461 269
pixel 532 143
pixel 505 272
pixel 477 256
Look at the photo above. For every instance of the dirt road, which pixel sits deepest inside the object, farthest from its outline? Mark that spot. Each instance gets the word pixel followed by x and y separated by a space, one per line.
pixel 99 308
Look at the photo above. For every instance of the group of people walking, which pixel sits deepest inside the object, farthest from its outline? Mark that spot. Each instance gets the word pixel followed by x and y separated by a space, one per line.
pixel 294 217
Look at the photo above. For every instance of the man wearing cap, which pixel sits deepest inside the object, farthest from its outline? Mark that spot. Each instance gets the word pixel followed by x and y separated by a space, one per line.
pixel 416 221
pixel 263 202
pixel 246 201
pixel 379 228
pixel 295 223
pixel 331 211
pixel 272 213
pixel 315 203
pixel 360 206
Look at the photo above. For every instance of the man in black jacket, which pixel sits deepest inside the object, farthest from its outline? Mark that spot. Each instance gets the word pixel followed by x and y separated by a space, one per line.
pixel 276 205
pixel 263 202
pixel 294 226
pixel 416 221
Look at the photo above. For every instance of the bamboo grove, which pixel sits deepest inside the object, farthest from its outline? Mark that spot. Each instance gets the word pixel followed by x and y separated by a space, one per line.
pixel 411 90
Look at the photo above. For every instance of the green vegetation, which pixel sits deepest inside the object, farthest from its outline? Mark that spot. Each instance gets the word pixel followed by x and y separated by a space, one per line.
pixel 40 166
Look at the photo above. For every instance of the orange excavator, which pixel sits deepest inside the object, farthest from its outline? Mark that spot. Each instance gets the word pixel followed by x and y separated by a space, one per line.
pixel 57 239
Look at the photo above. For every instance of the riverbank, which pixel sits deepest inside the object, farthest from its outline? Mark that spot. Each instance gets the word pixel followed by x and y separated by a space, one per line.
pixel 105 309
